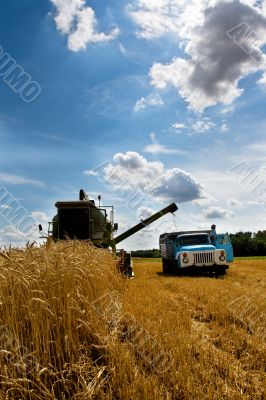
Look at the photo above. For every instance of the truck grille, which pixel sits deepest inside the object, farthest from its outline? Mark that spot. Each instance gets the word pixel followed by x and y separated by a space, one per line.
pixel 204 258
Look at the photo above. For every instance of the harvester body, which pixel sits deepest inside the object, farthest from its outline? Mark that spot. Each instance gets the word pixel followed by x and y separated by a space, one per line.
pixel 84 220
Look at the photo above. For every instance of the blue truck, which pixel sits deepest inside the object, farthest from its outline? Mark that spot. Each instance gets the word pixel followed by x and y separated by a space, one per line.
pixel 193 251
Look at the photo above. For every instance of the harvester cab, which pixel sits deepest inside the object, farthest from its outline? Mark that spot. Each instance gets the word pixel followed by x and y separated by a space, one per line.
pixel 84 220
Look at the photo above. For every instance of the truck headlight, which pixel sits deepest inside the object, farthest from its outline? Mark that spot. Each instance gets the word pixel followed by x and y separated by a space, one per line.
pixel 185 258
pixel 222 258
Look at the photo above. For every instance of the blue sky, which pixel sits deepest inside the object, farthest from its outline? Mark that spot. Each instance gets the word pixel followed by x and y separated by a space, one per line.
pixel 168 94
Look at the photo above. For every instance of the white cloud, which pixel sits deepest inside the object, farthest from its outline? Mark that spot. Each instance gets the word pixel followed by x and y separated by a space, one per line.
pixel 123 49
pixel 14 235
pixel 145 212
pixel 131 171
pixel 157 148
pixel 253 203
pixel 133 168
pixel 263 168
pixel 178 125
pixel 214 212
pixel 206 201
pixel 40 216
pixel 161 17
pixel 203 125
pixel 153 100
pixel 214 63
pixel 90 172
pixel 177 185
pixel 228 110
pixel 224 127
pixel 235 203
pixel 11 236
pixel 86 31
pixel 258 147
pixel 18 180
pixel 67 10
pixel 262 80
pixel 79 22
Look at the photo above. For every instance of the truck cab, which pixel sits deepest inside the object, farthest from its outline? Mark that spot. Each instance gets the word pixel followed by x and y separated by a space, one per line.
pixel 193 251
pixel 223 241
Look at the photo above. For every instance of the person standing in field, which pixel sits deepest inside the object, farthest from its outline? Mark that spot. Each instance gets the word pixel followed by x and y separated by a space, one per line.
pixel 213 234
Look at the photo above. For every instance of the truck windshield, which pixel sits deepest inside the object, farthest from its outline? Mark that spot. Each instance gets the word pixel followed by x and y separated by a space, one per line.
pixel 194 240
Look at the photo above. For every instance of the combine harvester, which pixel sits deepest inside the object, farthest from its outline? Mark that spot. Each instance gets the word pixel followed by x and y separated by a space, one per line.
pixel 84 220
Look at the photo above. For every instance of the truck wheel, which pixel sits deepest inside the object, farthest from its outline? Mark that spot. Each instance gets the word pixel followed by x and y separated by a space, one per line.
pixel 169 267
pixel 165 267
pixel 220 274
pixel 172 267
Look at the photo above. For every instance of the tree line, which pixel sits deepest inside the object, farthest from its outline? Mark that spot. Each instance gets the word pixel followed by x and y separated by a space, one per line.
pixel 245 244
pixel 249 244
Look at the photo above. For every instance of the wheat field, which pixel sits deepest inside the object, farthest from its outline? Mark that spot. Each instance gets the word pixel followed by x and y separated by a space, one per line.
pixel 73 328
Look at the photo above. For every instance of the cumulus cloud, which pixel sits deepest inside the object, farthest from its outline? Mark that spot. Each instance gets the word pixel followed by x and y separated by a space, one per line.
pixel 214 212
pixel 161 17
pixel 153 100
pixel 177 185
pixel 79 22
pixel 131 171
pixel 132 168
pixel 215 60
